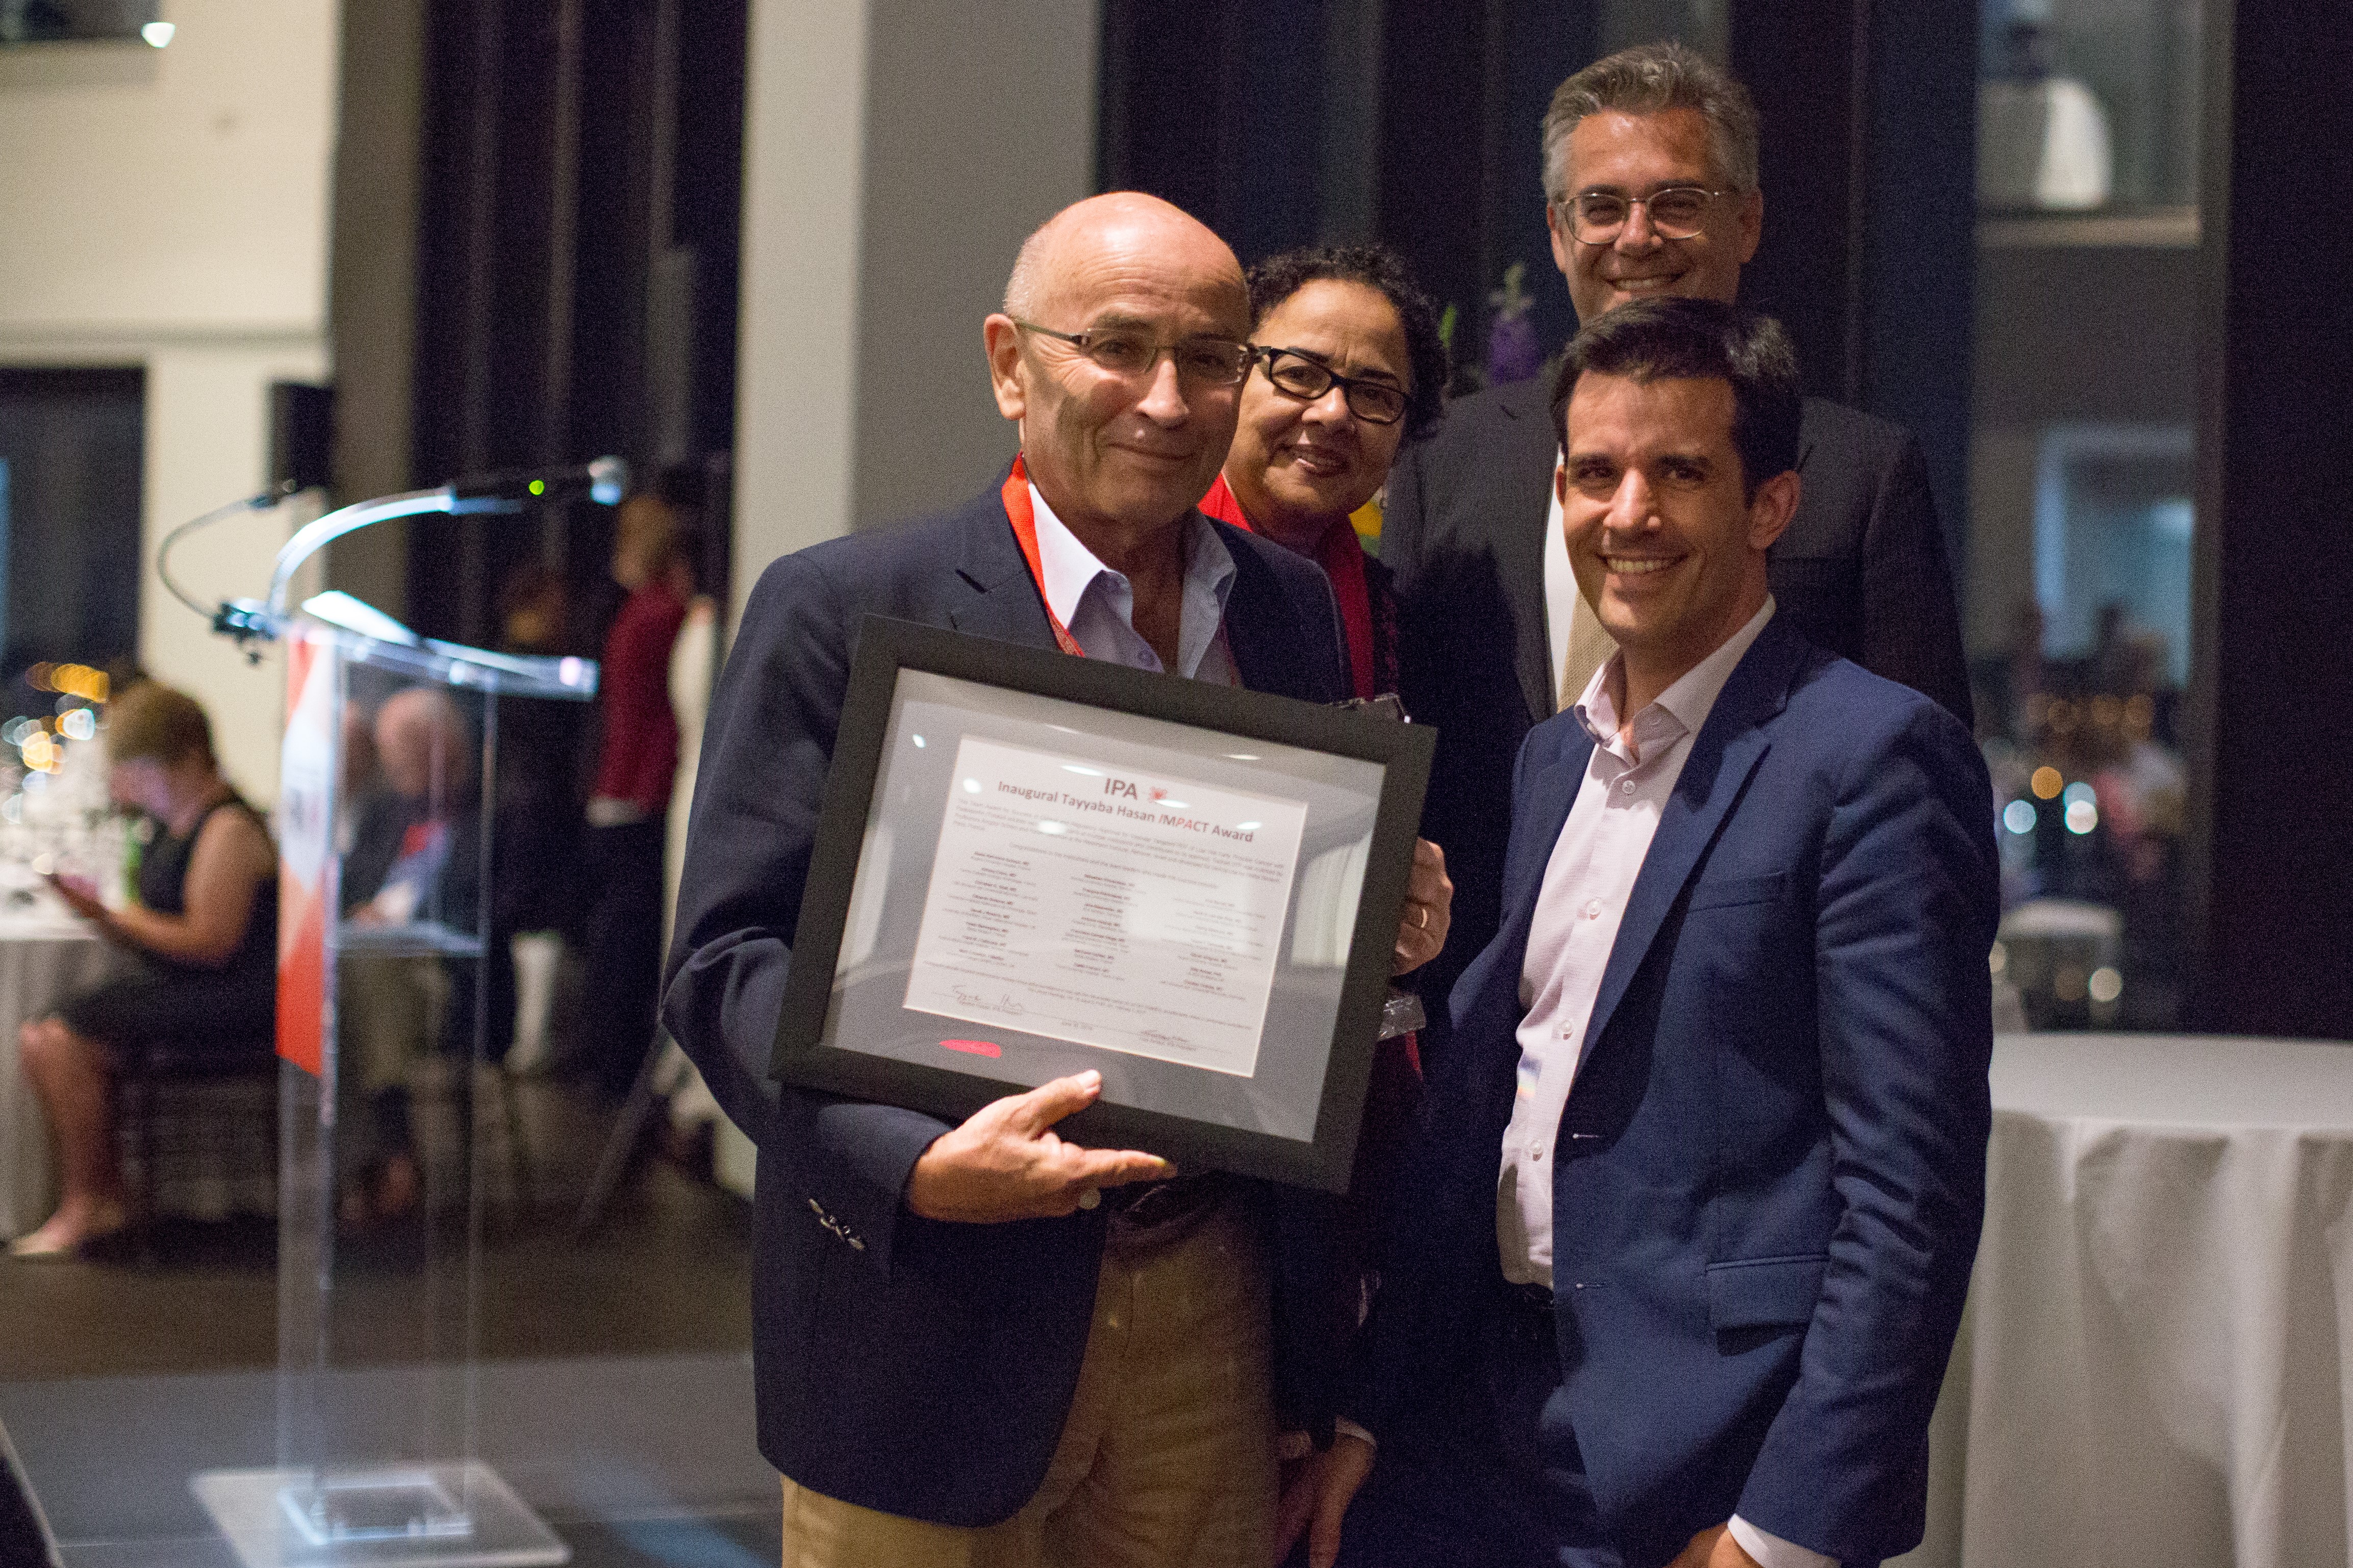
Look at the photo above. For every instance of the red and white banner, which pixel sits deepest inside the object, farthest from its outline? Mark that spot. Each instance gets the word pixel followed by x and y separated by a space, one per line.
pixel 306 850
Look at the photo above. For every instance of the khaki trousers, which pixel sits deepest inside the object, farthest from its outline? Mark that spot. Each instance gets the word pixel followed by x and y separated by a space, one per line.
pixel 1168 1460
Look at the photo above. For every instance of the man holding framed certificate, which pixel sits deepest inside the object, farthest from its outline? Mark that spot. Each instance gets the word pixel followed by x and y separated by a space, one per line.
pixel 978 1341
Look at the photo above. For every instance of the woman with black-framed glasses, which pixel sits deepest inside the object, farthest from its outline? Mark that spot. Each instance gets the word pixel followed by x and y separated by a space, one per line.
pixel 1347 364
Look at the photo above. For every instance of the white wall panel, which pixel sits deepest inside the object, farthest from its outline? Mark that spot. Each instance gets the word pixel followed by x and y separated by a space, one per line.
pixel 897 153
pixel 168 207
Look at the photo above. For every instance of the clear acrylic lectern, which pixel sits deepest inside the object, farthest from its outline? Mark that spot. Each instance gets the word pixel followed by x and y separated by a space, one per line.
pixel 390 987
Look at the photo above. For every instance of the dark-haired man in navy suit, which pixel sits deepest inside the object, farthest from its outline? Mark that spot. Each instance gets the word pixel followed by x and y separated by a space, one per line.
pixel 1702 1178
pixel 980 1344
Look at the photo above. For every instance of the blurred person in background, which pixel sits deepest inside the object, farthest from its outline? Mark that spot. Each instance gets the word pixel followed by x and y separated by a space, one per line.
pixel 542 791
pixel 202 933
pixel 636 767
pixel 415 858
pixel 542 748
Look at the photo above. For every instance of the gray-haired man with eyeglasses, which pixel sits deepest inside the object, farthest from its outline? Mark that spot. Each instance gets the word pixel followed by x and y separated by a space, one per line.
pixel 1651 190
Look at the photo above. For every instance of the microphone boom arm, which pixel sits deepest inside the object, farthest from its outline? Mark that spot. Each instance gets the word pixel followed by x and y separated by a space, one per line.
pixel 320 532
pixel 266 620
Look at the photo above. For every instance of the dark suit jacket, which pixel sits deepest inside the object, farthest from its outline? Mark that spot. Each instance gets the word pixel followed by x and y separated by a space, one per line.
pixel 1860 571
pixel 917 1367
pixel 1770 1174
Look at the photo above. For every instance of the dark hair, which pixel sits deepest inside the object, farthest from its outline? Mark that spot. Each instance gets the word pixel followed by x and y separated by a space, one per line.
pixel 1379 267
pixel 1700 340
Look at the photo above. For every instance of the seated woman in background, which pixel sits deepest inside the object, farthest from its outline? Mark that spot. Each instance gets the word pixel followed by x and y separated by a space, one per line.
pixel 202 933
pixel 1349 365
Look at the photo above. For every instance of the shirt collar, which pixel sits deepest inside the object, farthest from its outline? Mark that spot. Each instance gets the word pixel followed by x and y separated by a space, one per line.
pixel 1067 566
pixel 1071 569
pixel 1687 702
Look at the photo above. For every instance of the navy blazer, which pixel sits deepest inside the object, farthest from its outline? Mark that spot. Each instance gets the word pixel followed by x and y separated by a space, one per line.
pixel 1860 571
pixel 1770 1173
pixel 914 1366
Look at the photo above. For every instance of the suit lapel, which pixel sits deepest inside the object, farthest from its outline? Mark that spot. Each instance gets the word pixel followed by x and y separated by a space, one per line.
pixel 1262 630
pixel 1003 602
pixel 1723 753
pixel 1539 815
pixel 1531 450
pixel 1552 795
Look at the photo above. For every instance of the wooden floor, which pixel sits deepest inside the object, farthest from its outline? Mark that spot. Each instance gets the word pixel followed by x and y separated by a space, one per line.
pixel 641 1331
pixel 669 1272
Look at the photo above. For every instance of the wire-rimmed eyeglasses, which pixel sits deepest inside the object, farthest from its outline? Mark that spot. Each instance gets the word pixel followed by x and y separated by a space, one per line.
pixel 1130 354
pixel 1595 217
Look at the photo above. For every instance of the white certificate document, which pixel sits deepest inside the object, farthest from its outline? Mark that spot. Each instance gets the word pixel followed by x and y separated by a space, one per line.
pixel 1076 899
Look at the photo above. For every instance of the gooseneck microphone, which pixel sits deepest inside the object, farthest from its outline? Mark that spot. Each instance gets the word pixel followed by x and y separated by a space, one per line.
pixel 603 480
pixel 506 490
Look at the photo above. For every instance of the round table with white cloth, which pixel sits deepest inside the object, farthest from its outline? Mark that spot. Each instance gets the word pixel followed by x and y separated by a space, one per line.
pixel 2157 1363
pixel 44 959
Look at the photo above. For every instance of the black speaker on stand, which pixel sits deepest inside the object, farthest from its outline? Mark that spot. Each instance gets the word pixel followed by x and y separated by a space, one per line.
pixel 25 1537
pixel 302 434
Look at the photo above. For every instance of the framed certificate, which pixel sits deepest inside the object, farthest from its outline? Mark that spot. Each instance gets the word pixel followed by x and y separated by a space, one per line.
pixel 1028 865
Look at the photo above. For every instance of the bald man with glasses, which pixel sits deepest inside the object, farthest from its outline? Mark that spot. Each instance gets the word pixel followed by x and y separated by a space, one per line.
pixel 980 1345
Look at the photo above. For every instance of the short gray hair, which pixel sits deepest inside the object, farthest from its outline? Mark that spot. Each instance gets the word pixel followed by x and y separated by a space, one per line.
pixel 1650 79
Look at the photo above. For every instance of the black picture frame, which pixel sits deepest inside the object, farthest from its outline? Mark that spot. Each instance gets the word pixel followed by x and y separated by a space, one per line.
pixel 805 1058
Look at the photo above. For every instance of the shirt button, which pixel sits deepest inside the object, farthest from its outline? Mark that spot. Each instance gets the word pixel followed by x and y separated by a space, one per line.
pixel 1626 788
pixel 1593 908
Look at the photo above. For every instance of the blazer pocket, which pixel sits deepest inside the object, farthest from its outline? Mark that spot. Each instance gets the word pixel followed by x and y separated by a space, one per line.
pixel 1764 1292
pixel 1715 893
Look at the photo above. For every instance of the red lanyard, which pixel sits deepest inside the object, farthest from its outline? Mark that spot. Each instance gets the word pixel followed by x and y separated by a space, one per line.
pixel 1024 530
pixel 1342 556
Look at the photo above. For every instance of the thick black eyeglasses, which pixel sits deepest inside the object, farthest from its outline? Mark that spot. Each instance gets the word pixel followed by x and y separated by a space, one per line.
pixel 1131 354
pixel 1292 372
pixel 1595 217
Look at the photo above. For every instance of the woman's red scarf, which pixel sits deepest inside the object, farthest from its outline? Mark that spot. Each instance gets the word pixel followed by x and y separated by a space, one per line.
pixel 1342 556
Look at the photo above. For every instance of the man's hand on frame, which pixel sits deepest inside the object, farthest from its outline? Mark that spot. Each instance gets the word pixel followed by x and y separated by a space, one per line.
pixel 1007 1164
pixel 1429 908
pixel 1315 1498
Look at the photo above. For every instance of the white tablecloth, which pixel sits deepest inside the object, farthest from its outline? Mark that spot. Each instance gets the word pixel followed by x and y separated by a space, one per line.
pixel 42 962
pixel 2156 1366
